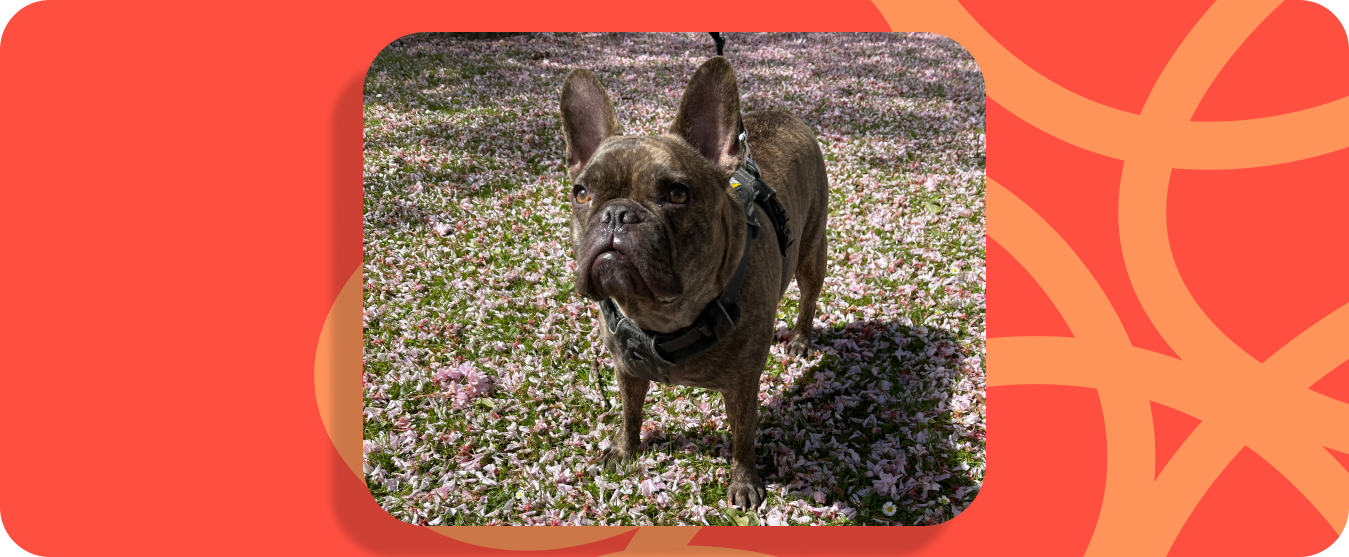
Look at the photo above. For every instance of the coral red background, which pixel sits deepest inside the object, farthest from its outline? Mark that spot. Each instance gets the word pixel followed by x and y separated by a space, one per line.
pixel 182 195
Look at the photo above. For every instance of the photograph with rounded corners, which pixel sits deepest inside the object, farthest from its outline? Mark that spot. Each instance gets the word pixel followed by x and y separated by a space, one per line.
pixel 674 279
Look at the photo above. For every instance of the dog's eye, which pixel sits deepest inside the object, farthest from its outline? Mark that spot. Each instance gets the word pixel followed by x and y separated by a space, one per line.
pixel 678 194
pixel 580 195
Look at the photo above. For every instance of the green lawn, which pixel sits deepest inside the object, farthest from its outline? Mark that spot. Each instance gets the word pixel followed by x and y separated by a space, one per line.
pixel 487 394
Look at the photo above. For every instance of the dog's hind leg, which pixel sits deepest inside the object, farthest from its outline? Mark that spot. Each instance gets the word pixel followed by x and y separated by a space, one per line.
pixel 810 271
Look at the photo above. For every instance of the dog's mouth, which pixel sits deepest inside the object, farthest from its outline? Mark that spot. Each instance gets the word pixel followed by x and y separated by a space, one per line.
pixel 632 266
pixel 613 272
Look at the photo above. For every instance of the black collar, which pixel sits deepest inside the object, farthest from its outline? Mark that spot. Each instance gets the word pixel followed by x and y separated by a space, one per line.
pixel 649 354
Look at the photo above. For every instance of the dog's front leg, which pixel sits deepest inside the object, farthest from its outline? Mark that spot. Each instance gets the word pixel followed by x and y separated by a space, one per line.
pixel 742 410
pixel 632 390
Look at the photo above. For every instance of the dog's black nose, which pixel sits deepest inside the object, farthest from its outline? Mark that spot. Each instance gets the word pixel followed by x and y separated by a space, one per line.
pixel 617 215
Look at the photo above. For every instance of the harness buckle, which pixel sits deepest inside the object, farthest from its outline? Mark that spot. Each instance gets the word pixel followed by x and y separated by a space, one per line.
pixel 637 350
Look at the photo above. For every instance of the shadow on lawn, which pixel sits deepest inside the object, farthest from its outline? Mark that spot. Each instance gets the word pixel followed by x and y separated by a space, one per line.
pixel 886 392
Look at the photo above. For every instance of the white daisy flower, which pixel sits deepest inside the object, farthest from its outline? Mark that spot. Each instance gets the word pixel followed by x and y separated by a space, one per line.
pixel 888 508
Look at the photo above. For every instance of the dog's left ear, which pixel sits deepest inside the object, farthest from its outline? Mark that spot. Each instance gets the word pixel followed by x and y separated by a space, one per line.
pixel 709 114
pixel 587 118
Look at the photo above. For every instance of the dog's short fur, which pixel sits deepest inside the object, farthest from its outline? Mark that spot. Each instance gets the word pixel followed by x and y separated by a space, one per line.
pixel 662 255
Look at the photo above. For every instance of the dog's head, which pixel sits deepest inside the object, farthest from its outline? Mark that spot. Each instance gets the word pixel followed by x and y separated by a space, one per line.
pixel 653 225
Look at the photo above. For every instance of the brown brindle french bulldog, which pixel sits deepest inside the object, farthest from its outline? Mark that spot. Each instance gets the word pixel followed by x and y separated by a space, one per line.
pixel 658 230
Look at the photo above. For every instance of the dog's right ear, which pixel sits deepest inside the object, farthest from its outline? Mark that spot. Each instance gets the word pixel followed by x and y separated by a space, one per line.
pixel 709 114
pixel 587 118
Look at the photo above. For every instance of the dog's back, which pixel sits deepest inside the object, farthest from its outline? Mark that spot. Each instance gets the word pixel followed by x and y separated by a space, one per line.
pixel 790 160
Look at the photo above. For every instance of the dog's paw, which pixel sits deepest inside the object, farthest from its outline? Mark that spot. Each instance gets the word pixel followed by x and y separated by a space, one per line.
pixel 616 456
pixel 799 345
pixel 746 494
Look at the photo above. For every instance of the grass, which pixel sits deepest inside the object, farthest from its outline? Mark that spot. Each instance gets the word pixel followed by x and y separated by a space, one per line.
pixel 486 392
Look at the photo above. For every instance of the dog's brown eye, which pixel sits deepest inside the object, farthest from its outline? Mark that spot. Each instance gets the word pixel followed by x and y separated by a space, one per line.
pixel 580 195
pixel 678 194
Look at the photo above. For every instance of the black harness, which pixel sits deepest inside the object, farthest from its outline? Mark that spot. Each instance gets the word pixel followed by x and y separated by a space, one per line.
pixel 650 355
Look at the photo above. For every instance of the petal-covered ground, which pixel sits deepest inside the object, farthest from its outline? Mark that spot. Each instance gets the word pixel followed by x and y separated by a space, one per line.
pixel 487 393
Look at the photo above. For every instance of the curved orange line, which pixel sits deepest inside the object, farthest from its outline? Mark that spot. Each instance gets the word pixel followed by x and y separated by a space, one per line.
pixel 1201 56
pixel 521 538
pixel 1312 470
pixel 1166 300
pixel 1079 363
pixel 1152 269
pixel 1054 265
pixel 1186 478
pixel 337 374
pixel 1314 352
pixel 1115 133
pixel 1214 379
pixel 1129 459
pixel 1140 516
pixel 673 540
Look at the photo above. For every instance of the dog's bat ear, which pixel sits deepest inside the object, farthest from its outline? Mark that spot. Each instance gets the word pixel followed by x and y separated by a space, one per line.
pixel 709 113
pixel 587 118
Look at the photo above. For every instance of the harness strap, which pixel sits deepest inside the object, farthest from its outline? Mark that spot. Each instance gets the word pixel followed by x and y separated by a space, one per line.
pixel 765 197
pixel 748 173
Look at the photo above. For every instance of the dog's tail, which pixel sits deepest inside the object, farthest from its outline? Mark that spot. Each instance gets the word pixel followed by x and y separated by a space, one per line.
pixel 720 42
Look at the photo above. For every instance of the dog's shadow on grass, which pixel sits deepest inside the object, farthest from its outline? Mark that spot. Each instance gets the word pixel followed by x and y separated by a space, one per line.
pixel 878 393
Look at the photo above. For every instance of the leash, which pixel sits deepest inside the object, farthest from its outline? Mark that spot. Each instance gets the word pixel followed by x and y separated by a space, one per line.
pixel 650 355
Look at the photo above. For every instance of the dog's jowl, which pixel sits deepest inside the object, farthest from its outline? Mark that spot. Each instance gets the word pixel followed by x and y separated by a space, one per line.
pixel 687 241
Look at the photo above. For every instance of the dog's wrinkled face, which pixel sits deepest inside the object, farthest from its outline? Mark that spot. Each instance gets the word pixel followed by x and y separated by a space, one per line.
pixel 644 209
pixel 651 217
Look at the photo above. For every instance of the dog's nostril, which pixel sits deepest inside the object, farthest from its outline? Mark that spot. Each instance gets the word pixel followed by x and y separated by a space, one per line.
pixel 620 215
